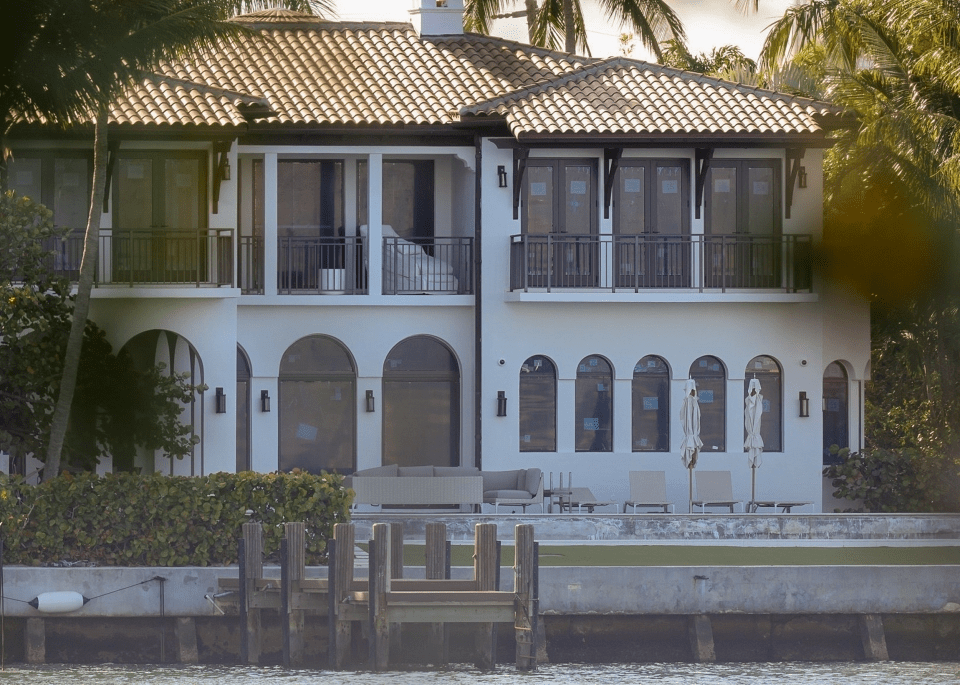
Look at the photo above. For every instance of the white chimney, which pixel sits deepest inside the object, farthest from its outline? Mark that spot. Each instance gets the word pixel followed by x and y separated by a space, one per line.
pixel 437 17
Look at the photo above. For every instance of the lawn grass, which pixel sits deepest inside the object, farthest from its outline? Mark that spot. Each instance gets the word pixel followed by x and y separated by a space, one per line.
pixel 698 555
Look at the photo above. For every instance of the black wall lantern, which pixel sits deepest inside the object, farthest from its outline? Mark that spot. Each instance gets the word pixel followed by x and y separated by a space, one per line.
pixel 804 405
pixel 265 401
pixel 502 176
pixel 802 177
pixel 370 401
pixel 501 403
pixel 221 401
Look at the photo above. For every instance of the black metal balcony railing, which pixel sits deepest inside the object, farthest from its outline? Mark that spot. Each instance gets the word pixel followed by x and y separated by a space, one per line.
pixel 693 262
pixel 201 257
pixel 321 265
pixel 429 266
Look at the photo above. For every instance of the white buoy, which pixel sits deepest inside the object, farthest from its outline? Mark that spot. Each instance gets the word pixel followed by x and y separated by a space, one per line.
pixel 58 602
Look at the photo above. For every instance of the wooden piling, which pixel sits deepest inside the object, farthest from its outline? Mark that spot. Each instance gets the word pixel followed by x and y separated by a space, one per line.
pixel 525 604
pixel 292 568
pixel 438 568
pixel 873 638
pixel 379 587
pixel 396 571
pixel 700 631
pixel 485 571
pixel 251 570
pixel 340 579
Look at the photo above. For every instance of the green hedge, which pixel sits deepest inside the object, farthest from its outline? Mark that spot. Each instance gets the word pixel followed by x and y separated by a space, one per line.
pixel 125 519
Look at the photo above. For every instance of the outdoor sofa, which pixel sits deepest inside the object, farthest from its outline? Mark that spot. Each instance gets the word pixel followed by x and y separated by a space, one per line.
pixel 427 486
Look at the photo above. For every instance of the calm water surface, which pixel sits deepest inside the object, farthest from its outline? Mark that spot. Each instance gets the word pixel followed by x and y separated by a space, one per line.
pixel 620 674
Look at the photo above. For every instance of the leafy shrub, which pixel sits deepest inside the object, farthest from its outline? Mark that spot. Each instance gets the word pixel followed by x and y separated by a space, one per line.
pixel 902 480
pixel 124 519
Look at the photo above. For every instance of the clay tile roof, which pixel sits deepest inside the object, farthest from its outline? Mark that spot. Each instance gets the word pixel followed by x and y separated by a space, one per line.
pixel 305 71
pixel 621 96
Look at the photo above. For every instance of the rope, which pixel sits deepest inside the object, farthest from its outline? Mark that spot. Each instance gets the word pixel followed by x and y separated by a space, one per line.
pixel 90 599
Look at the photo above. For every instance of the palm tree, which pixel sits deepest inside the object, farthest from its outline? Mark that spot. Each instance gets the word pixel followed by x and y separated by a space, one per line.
pixel 653 21
pixel 67 60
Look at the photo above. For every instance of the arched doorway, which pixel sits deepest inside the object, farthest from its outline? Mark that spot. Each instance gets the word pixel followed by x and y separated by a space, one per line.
pixel 243 410
pixel 836 407
pixel 421 404
pixel 318 407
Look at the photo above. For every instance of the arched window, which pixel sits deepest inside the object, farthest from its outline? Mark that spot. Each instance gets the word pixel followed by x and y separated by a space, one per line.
pixel 243 411
pixel 767 371
pixel 836 427
pixel 711 377
pixel 594 405
pixel 318 417
pixel 538 405
pixel 651 405
pixel 421 404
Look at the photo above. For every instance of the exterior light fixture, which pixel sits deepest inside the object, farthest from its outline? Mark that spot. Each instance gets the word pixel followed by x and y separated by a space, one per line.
pixel 502 176
pixel 370 401
pixel 265 401
pixel 802 177
pixel 225 174
pixel 501 403
pixel 221 402
pixel 804 405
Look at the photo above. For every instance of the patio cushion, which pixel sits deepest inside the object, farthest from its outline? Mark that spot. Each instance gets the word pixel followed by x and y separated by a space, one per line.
pixel 422 471
pixel 502 480
pixel 507 494
pixel 532 481
pixel 388 470
pixel 456 471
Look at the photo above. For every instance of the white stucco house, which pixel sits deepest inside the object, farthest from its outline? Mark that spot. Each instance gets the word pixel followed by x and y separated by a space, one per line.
pixel 399 243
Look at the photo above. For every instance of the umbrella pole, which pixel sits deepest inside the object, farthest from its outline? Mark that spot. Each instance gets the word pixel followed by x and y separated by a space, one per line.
pixel 753 484
pixel 690 471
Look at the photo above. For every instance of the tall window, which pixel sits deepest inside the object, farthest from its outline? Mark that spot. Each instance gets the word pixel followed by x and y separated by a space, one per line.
pixel 651 220
pixel 594 405
pixel 318 388
pixel 421 404
pixel 408 197
pixel 651 405
pixel 836 427
pixel 560 222
pixel 711 377
pixel 538 405
pixel 767 371
pixel 243 411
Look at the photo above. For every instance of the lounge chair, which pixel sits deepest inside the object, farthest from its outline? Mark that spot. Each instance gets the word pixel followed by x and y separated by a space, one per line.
pixel 582 498
pixel 714 489
pixel 648 489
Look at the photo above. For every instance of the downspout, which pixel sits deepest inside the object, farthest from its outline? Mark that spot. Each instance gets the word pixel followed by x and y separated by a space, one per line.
pixel 477 310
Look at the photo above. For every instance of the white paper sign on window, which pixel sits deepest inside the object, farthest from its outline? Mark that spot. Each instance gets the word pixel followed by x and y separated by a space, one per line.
pixel 578 187
pixel 591 424
pixel 526 438
pixel 833 404
pixel 721 185
pixel 643 442
pixel 336 395
pixel 706 396
pixel 761 188
pixel 669 187
pixel 538 189
pixel 650 403
pixel 766 406
pixel 631 185
pixel 600 387
pixel 306 432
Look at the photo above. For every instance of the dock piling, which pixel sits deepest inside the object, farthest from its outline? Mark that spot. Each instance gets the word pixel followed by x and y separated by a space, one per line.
pixel 525 615
pixel 379 587
pixel 292 568
pixel 485 570
pixel 340 581
pixel 438 568
pixel 251 570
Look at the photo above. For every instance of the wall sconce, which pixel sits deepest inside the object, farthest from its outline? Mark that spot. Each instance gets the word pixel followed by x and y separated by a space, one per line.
pixel 501 403
pixel 804 405
pixel 264 401
pixel 502 176
pixel 225 175
pixel 802 177
pixel 370 401
pixel 221 401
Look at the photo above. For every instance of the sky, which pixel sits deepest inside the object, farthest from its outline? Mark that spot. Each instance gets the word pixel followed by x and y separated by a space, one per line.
pixel 708 23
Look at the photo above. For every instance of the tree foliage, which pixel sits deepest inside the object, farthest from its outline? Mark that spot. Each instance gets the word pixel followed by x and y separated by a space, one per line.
pixel 118 408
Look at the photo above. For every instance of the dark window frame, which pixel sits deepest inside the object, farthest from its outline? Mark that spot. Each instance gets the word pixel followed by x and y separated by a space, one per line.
pixel 663 408
pixel 764 378
pixel 524 411
pixel 742 195
pixel 580 433
pixel 722 404
pixel 559 165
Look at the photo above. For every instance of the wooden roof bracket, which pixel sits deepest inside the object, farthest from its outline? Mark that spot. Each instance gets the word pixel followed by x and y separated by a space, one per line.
pixel 704 155
pixel 611 164
pixel 113 148
pixel 221 148
pixel 794 155
pixel 520 155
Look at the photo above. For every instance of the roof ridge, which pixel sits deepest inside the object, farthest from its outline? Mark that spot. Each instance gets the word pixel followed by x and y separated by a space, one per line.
pixel 507 42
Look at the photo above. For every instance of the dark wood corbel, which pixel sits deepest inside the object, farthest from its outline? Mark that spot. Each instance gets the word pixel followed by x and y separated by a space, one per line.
pixel 611 163
pixel 520 155
pixel 704 155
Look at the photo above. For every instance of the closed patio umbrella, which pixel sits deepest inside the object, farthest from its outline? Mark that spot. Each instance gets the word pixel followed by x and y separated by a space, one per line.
pixel 753 443
pixel 690 423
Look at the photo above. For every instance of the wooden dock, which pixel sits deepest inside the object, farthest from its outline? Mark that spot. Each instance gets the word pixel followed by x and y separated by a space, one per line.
pixel 377 607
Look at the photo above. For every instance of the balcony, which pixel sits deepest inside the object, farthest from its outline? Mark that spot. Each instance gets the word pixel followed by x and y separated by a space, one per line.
pixel 640 263
pixel 431 266
pixel 197 258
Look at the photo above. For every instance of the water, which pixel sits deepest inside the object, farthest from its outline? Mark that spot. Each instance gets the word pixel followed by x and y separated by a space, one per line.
pixel 889 673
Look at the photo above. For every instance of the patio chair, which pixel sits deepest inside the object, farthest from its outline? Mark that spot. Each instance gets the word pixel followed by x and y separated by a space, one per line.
pixel 648 489
pixel 714 489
